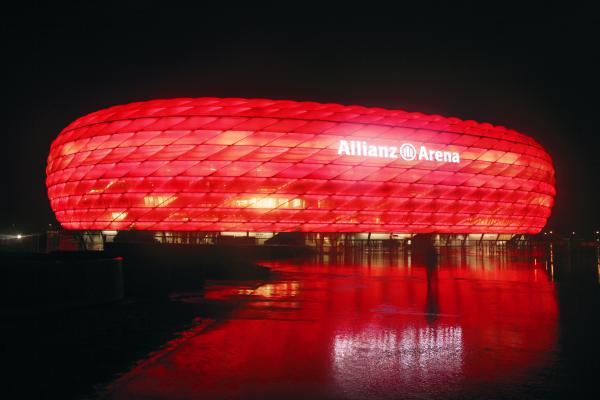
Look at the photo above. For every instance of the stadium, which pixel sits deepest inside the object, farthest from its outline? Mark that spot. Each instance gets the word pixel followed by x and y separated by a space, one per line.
pixel 259 167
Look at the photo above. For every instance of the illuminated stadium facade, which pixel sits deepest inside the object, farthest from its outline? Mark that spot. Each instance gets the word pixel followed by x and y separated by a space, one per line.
pixel 257 165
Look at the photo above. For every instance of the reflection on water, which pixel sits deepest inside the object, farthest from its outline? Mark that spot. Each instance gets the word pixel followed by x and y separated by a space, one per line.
pixel 598 263
pixel 280 289
pixel 366 325
pixel 379 361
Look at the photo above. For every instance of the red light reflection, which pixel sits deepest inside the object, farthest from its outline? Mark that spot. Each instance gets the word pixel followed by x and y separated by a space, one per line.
pixel 377 329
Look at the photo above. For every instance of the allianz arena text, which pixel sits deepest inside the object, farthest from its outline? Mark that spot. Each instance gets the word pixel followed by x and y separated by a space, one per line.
pixel 258 165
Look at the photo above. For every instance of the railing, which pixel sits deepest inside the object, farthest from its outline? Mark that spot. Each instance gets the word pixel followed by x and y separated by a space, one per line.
pixel 321 242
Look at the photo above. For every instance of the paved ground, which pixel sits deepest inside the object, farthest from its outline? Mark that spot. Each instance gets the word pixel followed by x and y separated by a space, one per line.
pixel 380 327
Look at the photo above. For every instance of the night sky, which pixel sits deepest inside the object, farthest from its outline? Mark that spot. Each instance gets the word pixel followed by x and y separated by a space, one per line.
pixel 535 69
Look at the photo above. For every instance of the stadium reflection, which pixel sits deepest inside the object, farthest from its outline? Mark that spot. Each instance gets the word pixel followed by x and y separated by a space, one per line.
pixel 365 325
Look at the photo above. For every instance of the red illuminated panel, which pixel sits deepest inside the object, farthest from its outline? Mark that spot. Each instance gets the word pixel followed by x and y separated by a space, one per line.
pixel 211 164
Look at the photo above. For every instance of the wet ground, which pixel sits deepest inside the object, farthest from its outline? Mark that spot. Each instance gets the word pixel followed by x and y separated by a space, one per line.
pixel 471 323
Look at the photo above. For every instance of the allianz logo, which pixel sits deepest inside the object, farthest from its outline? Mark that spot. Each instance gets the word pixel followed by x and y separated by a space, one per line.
pixel 406 151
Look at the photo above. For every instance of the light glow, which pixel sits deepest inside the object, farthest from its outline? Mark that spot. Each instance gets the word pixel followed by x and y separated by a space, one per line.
pixel 257 165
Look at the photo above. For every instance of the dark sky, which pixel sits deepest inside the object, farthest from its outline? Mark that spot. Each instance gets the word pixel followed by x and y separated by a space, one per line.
pixel 535 69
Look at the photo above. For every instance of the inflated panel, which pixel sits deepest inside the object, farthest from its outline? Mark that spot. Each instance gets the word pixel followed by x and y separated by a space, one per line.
pixel 212 164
